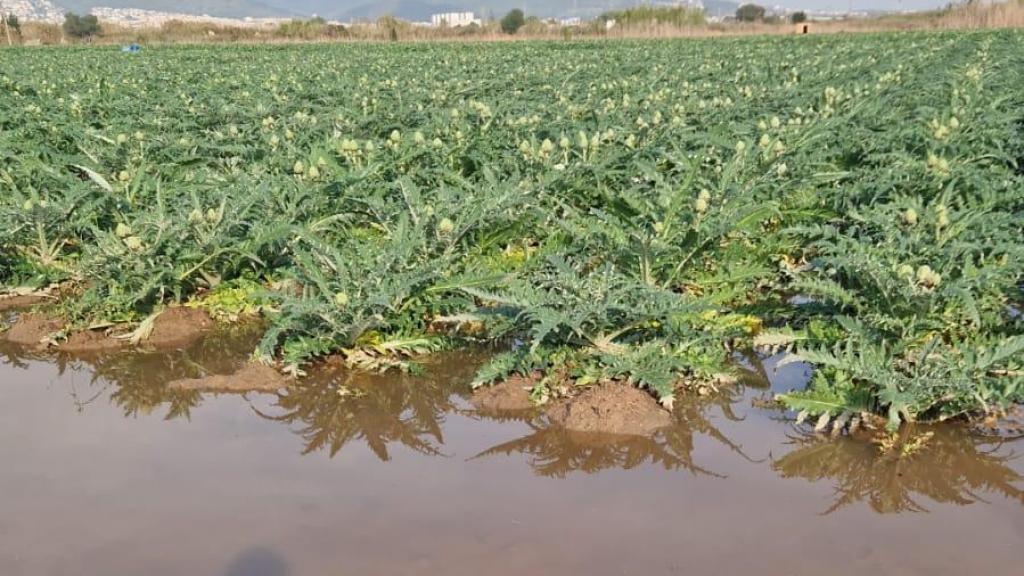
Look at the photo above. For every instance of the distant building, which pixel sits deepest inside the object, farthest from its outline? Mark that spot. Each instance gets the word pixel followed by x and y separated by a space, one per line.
pixel 454 19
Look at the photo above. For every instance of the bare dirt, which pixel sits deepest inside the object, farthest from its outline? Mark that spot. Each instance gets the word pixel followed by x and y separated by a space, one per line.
pixel 254 377
pixel 512 395
pixel 30 329
pixel 175 328
pixel 88 341
pixel 611 408
pixel 19 302
pixel 179 327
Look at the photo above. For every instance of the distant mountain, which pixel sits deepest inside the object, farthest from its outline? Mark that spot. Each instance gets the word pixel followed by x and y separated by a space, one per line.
pixel 220 8
pixel 416 10
pixel 412 10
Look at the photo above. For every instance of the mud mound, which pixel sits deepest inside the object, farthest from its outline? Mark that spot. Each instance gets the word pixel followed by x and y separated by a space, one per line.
pixel 179 328
pixel 88 341
pixel 30 329
pixel 254 377
pixel 611 409
pixel 512 395
pixel 19 302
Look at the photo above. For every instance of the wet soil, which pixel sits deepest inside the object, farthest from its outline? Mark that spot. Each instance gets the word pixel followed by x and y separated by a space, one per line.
pixel 611 408
pixel 8 303
pixel 31 329
pixel 175 328
pixel 253 377
pixel 91 342
pixel 509 396
pixel 105 468
pixel 179 327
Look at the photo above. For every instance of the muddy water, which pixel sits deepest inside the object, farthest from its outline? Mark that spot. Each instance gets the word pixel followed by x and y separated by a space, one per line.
pixel 103 471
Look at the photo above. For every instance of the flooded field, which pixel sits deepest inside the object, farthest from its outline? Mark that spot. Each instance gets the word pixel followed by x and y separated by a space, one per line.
pixel 106 470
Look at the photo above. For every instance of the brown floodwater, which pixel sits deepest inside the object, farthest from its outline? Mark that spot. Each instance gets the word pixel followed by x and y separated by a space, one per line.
pixel 104 471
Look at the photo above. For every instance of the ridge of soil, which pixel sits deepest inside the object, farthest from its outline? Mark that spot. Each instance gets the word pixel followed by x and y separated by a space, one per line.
pixel 174 328
pixel 511 395
pixel 611 408
pixel 253 377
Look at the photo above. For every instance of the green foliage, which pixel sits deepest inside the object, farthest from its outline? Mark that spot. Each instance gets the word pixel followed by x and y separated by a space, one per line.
pixel 750 13
pixel 233 300
pixel 513 21
pixel 77 26
pixel 679 16
pixel 798 17
pixel 311 29
pixel 12 22
pixel 845 199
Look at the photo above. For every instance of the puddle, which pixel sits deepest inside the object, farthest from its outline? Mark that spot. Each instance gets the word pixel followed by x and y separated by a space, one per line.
pixel 107 470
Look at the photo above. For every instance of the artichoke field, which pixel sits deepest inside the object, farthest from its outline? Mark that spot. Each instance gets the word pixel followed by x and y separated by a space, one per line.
pixel 628 210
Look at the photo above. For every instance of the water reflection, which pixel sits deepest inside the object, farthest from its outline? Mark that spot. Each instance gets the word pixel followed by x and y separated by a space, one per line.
pixel 333 409
pixel 555 452
pixel 336 408
pixel 954 467
pixel 136 380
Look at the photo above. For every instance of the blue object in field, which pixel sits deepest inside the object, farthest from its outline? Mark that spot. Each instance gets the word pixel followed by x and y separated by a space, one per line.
pixel 131 49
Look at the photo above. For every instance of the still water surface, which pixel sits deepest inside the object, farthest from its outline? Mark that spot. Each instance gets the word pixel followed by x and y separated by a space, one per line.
pixel 104 472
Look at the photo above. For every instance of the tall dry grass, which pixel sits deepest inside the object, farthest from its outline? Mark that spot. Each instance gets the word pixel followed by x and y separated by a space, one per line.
pixel 1008 14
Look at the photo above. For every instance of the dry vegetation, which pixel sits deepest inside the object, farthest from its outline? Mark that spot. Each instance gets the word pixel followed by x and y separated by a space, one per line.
pixel 1005 15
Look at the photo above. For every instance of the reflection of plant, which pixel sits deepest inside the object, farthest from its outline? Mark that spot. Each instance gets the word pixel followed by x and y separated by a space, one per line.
pixel 556 452
pixel 338 408
pixel 137 380
pixel 953 467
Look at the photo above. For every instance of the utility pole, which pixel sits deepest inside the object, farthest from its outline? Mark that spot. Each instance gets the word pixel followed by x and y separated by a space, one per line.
pixel 7 29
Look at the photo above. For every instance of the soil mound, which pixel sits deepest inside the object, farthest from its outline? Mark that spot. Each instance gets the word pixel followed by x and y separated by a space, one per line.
pixel 179 327
pixel 611 408
pixel 512 395
pixel 254 377
pixel 30 329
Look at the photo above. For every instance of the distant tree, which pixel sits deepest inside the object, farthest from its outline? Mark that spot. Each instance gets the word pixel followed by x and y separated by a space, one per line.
pixel 798 17
pixel 389 24
pixel 11 20
pixel 513 21
pixel 750 13
pixel 81 26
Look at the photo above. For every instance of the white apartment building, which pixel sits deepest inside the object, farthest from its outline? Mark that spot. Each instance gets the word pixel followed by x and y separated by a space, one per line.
pixel 454 19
